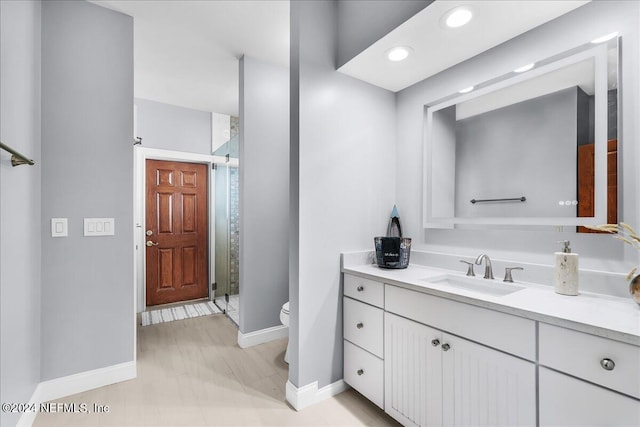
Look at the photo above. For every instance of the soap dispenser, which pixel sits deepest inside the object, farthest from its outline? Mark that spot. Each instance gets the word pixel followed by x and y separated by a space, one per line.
pixel 566 272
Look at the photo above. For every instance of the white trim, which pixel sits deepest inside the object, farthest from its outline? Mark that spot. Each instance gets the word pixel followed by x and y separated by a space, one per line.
pixel 262 336
pixel 302 397
pixel 141 154
pixel 77 383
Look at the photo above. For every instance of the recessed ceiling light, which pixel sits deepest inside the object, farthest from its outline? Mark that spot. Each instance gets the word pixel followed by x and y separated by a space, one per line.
pixel 604 38
pixel 466 89
pixel 398 53
pixel 457 17
pixel 524 68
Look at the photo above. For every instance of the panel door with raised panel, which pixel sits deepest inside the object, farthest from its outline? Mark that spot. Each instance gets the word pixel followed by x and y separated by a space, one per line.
pixel 485 387
pixel 413 372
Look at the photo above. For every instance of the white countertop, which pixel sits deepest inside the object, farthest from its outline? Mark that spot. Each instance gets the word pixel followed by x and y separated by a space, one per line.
pixel 607 316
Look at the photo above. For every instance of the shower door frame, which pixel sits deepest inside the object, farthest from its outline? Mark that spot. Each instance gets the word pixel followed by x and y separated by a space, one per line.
pixel 229 163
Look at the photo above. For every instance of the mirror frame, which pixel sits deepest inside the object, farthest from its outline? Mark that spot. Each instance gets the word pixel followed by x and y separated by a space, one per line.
pixel 581 53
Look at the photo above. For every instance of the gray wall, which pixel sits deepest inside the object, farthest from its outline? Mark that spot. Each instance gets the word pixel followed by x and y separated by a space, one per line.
pixel 87 127
pixel 525 149
pixel 264 193
pixel 343 151
pixel 568 31
pixel 173 128
pixel 363 22
pixel 20 203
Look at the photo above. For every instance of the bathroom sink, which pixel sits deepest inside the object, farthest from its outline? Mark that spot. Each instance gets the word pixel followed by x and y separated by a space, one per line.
pixel 475 284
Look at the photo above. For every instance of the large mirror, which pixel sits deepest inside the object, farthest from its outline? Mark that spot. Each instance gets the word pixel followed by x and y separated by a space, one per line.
pixel 535 147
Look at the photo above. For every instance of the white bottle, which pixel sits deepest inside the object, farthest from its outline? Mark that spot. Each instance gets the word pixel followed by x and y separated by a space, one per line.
pixel 566 272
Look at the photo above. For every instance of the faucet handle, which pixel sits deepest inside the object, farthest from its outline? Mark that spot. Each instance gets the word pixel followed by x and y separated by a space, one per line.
pixel 507 273
pixel 470 271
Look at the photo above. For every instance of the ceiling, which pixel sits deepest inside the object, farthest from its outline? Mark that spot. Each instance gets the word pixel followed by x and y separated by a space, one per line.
pixel 186 52
pixel 436 47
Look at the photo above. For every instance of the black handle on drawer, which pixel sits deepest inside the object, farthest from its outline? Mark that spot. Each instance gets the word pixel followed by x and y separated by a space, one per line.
pixel 360 325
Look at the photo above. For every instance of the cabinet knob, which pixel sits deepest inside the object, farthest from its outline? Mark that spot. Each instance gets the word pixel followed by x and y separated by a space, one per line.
pixel 445 347
pixel 360 288
pixel 607 364
pixel 360 371
pixel 435 342
pixel 359 325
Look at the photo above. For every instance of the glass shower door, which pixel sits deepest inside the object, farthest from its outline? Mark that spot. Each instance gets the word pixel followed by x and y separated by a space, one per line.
pixel 227 251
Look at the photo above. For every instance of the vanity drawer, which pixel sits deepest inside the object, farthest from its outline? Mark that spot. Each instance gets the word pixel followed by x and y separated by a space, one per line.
pixel 583 355
pixel 365 290
pixel 511 334
pixel 363 325
pixel 364 372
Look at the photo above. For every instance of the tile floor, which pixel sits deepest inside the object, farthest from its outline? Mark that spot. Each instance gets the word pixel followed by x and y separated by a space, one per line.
pixel 192 373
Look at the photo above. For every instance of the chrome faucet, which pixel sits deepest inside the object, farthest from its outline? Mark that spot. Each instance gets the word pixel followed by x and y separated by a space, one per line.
pixel 488 270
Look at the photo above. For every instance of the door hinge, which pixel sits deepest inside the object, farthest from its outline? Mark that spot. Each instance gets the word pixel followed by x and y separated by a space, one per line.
pixel 226 298
pixel 214 286
pixel 227 157
pixel 214 166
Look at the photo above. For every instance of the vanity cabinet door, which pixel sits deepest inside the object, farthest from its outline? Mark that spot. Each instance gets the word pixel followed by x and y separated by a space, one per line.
pixel 485 387
pixel 413 372
pixel 567 401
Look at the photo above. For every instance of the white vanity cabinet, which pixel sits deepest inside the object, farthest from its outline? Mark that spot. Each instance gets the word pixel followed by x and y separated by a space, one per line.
pixel 435 378
pixel 363 331
pixel 431 361
pixel 604 386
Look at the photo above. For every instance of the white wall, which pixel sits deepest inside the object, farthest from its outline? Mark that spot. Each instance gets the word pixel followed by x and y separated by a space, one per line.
pixel 264 193
pixel 575 28
pixel 87 171
pixel 20 203
pixel 343 185
pixel 173 128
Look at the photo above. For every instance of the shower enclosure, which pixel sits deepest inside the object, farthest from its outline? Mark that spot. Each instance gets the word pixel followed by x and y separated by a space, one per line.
pixel 226 294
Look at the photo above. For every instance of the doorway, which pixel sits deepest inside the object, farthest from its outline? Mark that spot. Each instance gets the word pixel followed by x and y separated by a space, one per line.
pixel 176 229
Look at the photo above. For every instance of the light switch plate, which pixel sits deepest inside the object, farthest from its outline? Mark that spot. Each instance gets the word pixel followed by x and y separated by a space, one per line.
pixel 59 227
pixel 99 227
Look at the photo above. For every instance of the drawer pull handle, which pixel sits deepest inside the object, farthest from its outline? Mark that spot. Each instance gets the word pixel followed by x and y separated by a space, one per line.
pixel 607 364
pixel 435 342
pixel 445 347
pixel 360 288
pixel 360 371
pixel 359 325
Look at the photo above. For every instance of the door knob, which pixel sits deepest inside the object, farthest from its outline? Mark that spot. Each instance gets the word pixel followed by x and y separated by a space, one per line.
pixel 446 347
pixel 435 342
pixel 150 243
pixel 149 233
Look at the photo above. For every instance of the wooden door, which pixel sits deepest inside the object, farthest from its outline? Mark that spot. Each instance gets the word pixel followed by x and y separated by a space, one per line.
pixel 176 216
pixel 412 372
pixel 485 387
pixel 586 183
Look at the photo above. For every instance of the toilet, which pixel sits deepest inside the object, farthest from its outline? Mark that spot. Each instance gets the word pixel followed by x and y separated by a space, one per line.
pixel 284 318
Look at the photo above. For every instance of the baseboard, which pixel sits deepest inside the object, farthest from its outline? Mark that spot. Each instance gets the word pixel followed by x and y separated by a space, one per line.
pixel 302 397
pixel 262 336
pixel 77 383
